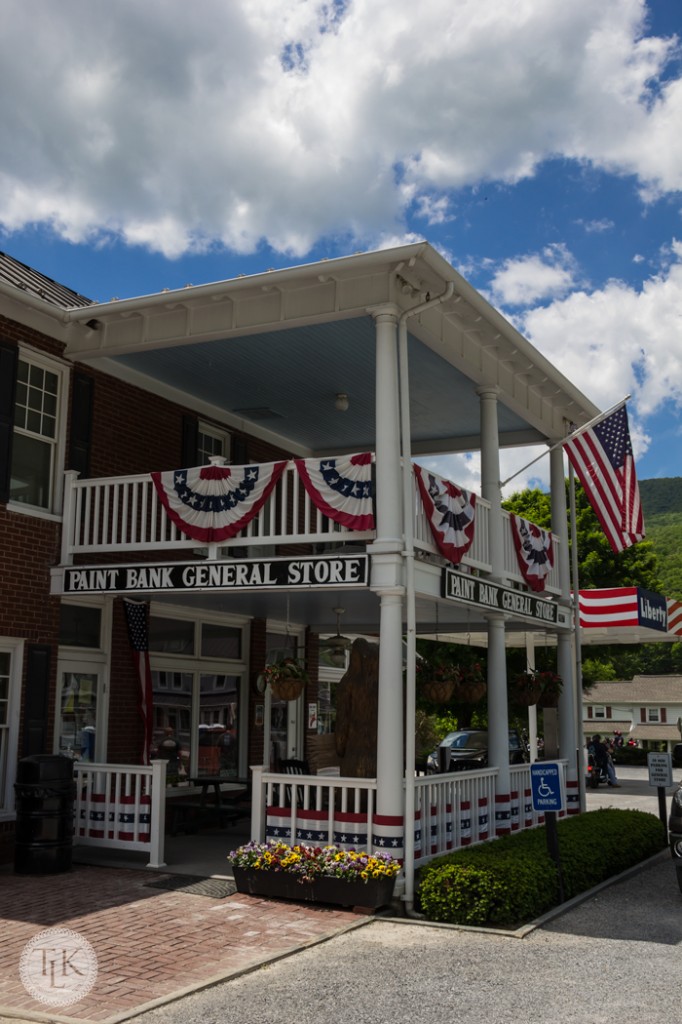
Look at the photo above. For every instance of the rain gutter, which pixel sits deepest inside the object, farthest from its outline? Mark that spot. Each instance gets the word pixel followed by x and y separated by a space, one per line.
pixel 411 614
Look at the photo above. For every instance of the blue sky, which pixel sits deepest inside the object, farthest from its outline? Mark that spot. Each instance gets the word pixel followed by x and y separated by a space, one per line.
pixel 536 144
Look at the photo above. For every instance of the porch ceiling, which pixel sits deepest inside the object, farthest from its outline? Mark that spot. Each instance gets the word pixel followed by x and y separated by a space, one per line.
pixel 268 354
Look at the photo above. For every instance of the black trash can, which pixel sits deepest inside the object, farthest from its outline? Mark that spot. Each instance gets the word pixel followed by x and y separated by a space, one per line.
pixel 45 792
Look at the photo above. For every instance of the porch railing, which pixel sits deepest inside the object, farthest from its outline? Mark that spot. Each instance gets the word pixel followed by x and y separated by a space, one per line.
pixel 118 514
pixel 121 807
pixel 452 810
pixel 123 514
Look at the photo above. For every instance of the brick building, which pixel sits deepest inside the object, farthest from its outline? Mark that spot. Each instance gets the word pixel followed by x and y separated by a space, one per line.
pixel 391 355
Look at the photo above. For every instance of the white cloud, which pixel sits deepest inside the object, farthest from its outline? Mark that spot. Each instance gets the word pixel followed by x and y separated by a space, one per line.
pixel 528 279
pixel 243 121
pixel 618 341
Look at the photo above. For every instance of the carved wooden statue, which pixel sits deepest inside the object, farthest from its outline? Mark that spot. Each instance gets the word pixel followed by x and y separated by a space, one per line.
pixel 357 712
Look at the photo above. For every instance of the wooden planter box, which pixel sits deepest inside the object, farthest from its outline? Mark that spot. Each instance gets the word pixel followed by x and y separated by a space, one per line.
pixel 375 893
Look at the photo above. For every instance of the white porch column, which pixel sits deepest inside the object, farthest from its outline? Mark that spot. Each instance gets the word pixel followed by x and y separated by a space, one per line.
pixel 569 731
pixel 387 581
pixel 498 712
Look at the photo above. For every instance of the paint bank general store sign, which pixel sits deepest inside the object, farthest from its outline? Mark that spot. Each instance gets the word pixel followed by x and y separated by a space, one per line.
pixel 492 596
pixel 250 574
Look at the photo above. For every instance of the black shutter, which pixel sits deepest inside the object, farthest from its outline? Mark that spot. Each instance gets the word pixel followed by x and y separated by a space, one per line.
pixel 239 456
pixel 9 358
pixel 82 394
pixel 190 441
pixel 36 702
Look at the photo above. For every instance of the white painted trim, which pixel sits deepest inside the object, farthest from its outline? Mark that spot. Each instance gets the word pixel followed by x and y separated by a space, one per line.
pixel 15 647
pixel 62 369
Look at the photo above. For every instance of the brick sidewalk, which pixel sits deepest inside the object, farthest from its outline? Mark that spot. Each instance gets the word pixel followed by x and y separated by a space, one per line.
pixel 151 945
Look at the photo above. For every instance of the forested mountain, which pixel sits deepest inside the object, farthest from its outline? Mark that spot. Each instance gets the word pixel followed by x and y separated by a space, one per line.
pixel 662 506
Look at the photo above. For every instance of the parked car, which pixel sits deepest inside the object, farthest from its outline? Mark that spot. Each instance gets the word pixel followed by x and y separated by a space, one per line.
pixel 467 750
pixel 675 821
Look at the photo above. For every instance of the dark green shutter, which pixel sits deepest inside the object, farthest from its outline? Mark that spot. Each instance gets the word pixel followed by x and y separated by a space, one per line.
pixel 82 394
pixel 36 702
pixel 190 441
pixel 9 358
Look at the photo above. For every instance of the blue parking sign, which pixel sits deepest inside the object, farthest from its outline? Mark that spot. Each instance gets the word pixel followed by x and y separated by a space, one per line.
pixel 546 787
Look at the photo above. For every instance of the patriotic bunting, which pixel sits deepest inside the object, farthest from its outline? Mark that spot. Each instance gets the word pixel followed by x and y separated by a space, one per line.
pixel 214 503
pixel 451 512
pixel 534 551
pixel 341 488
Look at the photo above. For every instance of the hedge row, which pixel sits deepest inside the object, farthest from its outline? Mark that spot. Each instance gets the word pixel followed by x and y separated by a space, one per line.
pixel 513 879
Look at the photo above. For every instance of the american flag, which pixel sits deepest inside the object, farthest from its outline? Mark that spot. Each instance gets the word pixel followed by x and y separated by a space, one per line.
pixel 602 458
pixel 137 617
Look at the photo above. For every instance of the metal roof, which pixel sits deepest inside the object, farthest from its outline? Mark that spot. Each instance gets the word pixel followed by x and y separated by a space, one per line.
pixel 29 280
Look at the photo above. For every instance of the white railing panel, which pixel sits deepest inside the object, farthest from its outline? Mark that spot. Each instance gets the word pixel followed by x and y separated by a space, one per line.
pixel 121 807
pixel 313 809
pixel 124 514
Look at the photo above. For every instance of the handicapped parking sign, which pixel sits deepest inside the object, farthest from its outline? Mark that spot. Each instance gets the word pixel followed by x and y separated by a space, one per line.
pixel 546 786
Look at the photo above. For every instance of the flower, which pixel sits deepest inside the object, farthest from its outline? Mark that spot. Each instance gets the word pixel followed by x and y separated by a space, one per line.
pixel 310 862
pixel 284 669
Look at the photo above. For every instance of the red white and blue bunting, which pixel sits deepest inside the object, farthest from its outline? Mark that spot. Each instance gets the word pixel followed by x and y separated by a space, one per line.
pixel 451 512
pixel 534 551
pixel 341 488
pixel 214 503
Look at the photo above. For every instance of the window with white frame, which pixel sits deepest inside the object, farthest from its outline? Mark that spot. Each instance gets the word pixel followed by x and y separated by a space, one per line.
pixel 212 440
pixel 653 715
pixel 11 651
pixel 37 442
pixel 599 711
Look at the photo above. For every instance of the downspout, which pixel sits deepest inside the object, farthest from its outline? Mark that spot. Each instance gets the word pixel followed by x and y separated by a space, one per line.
pixel 410 611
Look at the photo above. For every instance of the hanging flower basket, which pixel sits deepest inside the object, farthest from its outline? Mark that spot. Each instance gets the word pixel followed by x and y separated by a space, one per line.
pixel 439 691
pixel 287 678
pixel 436 680
pixel 524 689
pixel 552 686
pixel 470 686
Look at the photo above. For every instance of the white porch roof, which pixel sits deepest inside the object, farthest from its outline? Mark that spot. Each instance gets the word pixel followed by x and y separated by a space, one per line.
pixel 268 353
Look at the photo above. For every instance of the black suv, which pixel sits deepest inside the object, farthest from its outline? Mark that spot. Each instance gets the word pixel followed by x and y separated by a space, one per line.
pixel 468 749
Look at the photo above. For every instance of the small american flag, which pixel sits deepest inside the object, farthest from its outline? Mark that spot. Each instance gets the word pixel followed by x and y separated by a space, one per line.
pixel 602 458
pixel 137 614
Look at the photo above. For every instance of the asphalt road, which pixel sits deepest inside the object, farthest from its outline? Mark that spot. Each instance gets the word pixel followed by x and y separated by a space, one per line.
pixel 613 957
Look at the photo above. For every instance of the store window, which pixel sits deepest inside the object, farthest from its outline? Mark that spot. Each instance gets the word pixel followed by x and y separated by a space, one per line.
pixel 36 453
pixel 200 700
pixel 212 441
pixel 80 626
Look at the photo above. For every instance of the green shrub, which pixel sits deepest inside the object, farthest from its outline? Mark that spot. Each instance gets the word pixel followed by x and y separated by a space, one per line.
pixel 514 879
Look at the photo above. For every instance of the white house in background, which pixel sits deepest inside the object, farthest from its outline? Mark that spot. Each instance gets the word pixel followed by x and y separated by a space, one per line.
pixel 646 709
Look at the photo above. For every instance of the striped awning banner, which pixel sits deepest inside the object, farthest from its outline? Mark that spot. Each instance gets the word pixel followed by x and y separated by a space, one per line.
pixel 674 616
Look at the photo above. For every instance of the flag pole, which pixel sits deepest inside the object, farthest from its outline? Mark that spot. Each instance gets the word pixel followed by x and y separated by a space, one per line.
pixel 576 433
pixel 577 639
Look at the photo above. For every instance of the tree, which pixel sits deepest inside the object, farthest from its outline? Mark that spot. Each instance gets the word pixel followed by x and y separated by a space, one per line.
pixel 598 567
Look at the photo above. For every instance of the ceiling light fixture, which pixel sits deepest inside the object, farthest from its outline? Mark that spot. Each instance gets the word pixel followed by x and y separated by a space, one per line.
pixel 337 645
pixel 341 401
